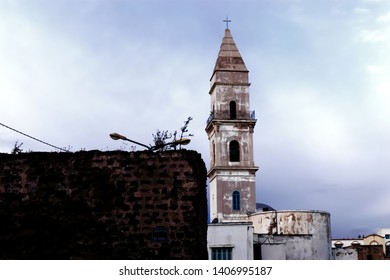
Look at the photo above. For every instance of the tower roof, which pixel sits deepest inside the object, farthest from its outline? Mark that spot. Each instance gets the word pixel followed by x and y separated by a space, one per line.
pixel 229 58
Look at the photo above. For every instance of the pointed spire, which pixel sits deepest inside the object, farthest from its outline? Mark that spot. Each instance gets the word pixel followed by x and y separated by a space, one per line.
pixel 229 58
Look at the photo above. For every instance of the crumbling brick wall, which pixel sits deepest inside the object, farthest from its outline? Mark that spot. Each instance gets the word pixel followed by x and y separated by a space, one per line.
pixel 370 252
pixel 103 205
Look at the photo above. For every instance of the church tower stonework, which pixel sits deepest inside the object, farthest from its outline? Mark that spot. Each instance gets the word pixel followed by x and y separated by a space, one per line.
pixel 237 231
pixel 230 132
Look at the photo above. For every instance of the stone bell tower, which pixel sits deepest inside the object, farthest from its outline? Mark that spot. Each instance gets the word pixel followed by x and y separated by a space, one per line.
pixel 230 132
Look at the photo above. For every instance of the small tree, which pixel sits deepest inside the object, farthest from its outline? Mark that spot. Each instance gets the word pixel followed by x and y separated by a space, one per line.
pixel 183 130
pixel 17 149
pixel 161 137
pixel 159 140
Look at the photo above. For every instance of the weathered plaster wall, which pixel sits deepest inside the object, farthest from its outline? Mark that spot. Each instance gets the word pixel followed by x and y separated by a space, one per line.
pixel 288 223
pixel 286 247
pixel 103 205
pixel 223 94
pixel 341 254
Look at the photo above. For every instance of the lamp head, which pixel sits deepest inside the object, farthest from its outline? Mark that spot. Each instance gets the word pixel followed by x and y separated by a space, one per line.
pixel 117 136
pixel 183 141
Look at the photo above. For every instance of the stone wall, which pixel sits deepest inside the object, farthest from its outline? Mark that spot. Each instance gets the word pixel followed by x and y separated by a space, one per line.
pixel 103 205
pixel 370 252
pixel 360 252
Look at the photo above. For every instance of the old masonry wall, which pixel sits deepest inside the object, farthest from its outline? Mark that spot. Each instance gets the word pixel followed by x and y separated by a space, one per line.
pixel 103 205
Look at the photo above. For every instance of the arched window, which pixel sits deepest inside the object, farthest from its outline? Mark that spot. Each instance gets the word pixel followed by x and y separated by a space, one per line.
pixel 236 200
pixel 233 113
pixel 388 249
pixel 234 151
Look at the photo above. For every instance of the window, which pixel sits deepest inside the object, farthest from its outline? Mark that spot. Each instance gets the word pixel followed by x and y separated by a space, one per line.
pixel 234 151
pixel 233 113
pixel 338 244
pixel 374 243
pixel 388 249
pixel 223 253
pixel 387 236
pixel 236 200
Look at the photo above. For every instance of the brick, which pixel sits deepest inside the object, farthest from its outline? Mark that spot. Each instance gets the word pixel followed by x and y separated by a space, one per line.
pixel 103 205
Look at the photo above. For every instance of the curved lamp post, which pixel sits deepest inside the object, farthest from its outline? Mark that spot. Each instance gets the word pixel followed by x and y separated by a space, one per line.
pixel 117 136
pixel 182 141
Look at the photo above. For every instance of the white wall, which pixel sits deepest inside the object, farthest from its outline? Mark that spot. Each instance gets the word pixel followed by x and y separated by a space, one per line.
pixel 383 231
pixel 239 236
pixel 273 251
pixel 287 247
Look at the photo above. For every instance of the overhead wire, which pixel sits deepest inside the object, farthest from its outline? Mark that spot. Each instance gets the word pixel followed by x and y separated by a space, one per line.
pixel 36 139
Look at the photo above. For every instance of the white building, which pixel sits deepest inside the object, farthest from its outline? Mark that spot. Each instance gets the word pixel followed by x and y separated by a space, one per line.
pixel 230 241
pixel 237 231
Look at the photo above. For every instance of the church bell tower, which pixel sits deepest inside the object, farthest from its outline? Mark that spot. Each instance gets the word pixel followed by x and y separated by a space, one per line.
pixel 230 132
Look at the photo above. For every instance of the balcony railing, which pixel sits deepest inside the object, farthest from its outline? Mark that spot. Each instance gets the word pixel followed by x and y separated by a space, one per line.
pixel 225 115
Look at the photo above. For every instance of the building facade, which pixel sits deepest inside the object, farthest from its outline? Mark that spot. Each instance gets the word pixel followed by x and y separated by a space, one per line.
pixel 230 241
pixel 385 233
pixel 370 247
pixel 239 229
pixel 230 132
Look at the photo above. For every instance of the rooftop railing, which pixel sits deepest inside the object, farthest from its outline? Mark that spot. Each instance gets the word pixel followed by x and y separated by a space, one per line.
pixel 225 115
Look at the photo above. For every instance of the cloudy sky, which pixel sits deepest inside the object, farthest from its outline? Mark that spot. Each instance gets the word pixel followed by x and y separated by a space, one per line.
pixel 73 71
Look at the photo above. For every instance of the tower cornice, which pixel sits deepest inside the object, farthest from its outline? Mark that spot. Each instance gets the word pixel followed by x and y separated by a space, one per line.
pixel 214 170
pixel 214 122
pixel 227 84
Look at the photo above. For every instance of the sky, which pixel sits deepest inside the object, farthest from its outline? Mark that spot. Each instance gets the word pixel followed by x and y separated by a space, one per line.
pixel 74 71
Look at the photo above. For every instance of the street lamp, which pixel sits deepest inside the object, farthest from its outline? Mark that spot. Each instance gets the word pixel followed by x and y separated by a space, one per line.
pixel 182 141
pixel 117 136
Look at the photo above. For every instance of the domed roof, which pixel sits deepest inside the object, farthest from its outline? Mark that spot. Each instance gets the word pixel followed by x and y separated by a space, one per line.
pixel 263 207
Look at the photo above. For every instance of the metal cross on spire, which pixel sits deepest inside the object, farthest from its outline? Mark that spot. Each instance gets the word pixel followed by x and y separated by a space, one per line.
pixel 227 20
